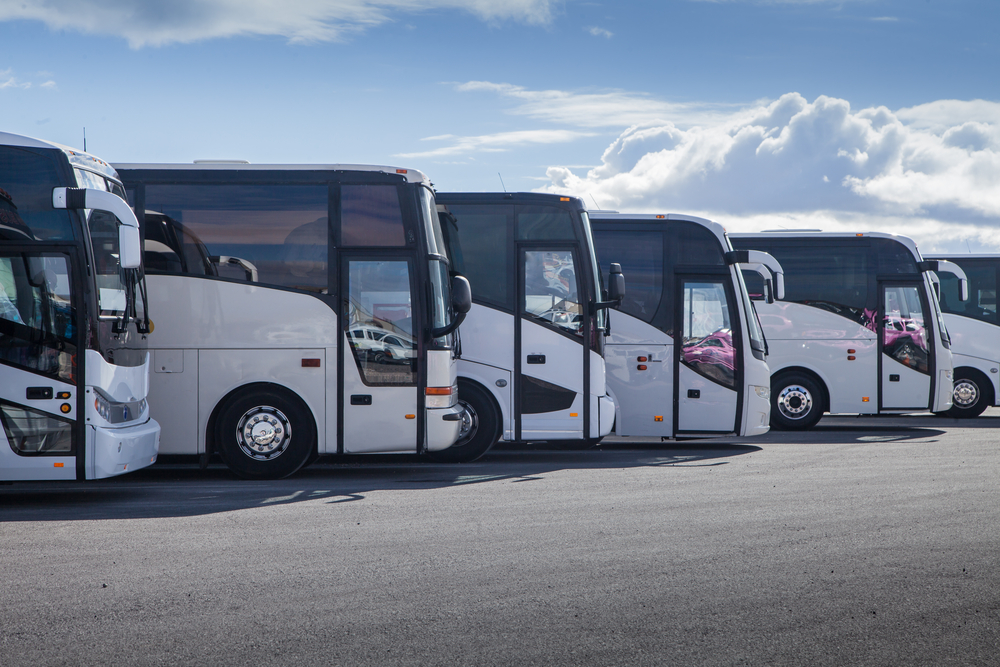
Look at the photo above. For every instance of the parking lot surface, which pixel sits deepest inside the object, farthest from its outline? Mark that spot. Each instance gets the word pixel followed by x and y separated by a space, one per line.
pixel 867 541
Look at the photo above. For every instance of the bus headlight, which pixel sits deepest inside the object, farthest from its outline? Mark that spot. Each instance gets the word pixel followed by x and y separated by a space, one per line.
pixel 762 392
pixel 441 397
pixel 103 406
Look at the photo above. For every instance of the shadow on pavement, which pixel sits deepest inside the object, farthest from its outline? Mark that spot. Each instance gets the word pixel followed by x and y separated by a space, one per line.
pixel 182 489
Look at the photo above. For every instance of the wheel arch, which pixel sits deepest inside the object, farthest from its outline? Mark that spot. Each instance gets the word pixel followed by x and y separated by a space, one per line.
pixel 986 382
pixel 211 446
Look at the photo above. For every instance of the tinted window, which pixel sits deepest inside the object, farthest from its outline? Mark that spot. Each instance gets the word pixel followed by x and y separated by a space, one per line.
pixel 640 254
pixel 693 244
pixel 280 231
pixel 894 258
pixel 26 182
pixel 483 231
pixel 544 223
pixel 371 216
pixel 831 276
pixel 982 303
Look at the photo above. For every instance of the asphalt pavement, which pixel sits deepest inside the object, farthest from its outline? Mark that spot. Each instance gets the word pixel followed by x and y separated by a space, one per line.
pixel 867 541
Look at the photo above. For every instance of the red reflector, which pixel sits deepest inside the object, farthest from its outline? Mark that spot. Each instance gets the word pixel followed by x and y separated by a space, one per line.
pixel 641 367
pixel 310 363
pixel 642 359
pixel 851 351
pixel 438 391
pixel 851 358
pixel 400 171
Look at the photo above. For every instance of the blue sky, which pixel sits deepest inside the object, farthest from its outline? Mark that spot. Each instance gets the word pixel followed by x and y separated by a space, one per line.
pixel 847 114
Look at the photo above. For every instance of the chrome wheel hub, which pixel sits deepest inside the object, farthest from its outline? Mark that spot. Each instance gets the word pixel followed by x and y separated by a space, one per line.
pixel 966 393
pixel 263 433
pixel 794 401
pixel 470 424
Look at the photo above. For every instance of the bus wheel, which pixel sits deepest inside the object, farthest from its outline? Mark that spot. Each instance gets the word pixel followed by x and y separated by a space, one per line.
pixel 971 396
pixel 265 433
pixel 796 402
pixel 480 426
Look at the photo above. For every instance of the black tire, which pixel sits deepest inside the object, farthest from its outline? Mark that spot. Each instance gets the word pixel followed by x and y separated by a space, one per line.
pixel 973 393
pixel 480 426
pixel 796 402
pixel 283 425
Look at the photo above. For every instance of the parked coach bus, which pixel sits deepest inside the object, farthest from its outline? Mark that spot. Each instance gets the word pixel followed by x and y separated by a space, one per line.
pixel 975 332
pixel 686 355
pixel 532 366
pixel 74 370
pixel 860 330
pixel 299 311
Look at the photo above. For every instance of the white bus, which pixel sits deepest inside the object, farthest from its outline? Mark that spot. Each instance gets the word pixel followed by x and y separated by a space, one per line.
pixel 686 355
pixel 74 370
pixel 532 366
pixel 298 311
pixel 860 330
pixel 975 332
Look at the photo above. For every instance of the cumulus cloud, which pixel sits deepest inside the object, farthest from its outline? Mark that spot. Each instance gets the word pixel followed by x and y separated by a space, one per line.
pixel 494 143
pixel 816 164
pixel 600 32
pixel 155 22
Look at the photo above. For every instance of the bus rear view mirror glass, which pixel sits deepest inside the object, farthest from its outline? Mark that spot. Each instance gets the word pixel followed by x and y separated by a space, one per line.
pixel 129 247
pixel 616 284
pixel 461 294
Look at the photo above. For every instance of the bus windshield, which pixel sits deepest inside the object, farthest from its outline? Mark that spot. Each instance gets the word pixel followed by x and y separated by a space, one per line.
pixel 440 281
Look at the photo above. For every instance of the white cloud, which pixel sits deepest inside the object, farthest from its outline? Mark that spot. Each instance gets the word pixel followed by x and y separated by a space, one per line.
pixel 607 108
pixel 494 143
pixel 917 171
pixel 10 82
pixel 600 32
pixel 155 22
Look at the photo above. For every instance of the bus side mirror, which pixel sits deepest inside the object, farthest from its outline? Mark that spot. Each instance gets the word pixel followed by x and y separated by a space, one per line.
pixel 461 294
pixel 616 284
pixel 461 302
pixel 129 248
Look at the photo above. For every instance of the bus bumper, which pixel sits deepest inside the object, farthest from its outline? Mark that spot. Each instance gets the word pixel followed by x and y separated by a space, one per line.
pixel 443 425
pixel 757 411
pixel 606 405
pixel 120 450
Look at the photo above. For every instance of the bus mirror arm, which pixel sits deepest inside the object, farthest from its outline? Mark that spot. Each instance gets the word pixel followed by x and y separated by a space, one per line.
pixel 129 248
pixel 760 257
pixel 616 289
pixel 939 265
pixel 461 303
pixel 248 267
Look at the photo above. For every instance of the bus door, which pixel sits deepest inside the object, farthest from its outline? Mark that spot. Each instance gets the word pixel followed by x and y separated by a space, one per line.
pixel 40 380
pixel 707 362
pixel 906 362
pixel 551 356
pixel 379 356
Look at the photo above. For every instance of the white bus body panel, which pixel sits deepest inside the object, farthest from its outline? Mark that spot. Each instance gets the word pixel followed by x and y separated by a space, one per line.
pixel 756 408
pixel 641 396
pixel 975 344
pixel 198 362
pixel 487 343
pixel 563 367
pixel 800 336
pixel 14 467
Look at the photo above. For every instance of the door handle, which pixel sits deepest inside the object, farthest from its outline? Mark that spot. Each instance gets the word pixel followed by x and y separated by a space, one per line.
pixel 38 393
pixel 694 393
pixel 536 358
pixel 361 399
